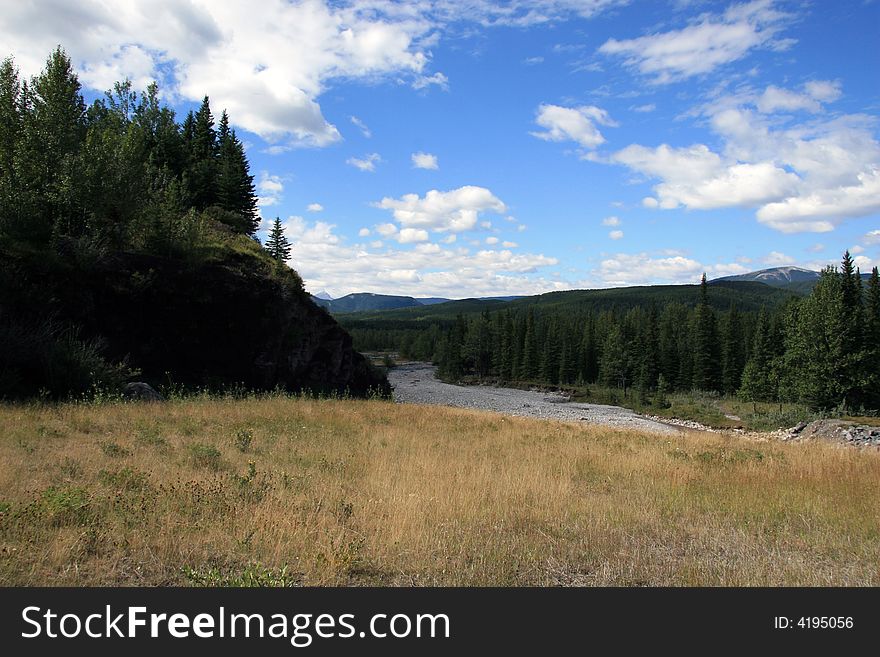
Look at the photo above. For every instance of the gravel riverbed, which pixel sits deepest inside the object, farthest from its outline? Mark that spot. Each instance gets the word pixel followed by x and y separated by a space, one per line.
pixel 415 383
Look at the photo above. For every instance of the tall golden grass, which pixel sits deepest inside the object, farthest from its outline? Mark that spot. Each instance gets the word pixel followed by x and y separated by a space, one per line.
pixel 322 492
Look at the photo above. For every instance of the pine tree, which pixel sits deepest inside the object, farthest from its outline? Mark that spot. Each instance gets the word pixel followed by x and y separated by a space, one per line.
pixel 872 341
pixel 732 360
pixel 53 128
pixel 235 186
pixel 613 364
pixel 278 245
pixel 530 364
pixel 757 380
pixel 706 348
pixel 202 168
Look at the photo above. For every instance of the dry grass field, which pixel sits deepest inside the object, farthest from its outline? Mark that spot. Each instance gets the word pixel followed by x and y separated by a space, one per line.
pixel 281 491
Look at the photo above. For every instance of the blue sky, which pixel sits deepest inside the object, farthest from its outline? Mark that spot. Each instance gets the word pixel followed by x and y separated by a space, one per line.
pixel 440 148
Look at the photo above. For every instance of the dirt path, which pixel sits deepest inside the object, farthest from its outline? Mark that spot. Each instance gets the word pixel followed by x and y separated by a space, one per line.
pixel 415 383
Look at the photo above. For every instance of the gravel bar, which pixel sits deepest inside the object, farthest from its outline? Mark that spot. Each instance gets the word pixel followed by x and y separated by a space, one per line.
pixel 416 383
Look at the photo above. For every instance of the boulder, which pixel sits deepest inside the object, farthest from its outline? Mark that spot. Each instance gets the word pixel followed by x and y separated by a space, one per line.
pixel 139 391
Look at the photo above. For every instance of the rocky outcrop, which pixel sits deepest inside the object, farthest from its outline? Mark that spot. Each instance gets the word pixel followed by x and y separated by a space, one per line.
pixel 233 318
pixel 841 431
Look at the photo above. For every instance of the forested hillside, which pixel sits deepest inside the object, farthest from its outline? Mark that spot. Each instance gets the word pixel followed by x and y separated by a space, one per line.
pixel 127 247
pixel 745 339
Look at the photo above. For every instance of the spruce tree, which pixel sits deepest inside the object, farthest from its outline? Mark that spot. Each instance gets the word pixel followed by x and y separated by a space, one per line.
pixel 202 167
pixel 706 348
pixel 53 128
pixel 757 380
pixel 732 360
pixel 530 362
pixel 235 191
pixel 278 245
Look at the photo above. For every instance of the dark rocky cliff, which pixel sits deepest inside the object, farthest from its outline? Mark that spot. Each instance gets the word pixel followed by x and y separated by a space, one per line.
pixel 234 318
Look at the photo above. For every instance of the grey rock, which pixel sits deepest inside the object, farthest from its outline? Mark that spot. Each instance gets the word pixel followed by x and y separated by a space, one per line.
pixel 140 391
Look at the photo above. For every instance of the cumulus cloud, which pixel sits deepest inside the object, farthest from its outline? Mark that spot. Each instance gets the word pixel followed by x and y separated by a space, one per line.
pixel 799 176
pixel 325 261
pixel 424 161
pixel 651 269
pixel 269 189
pixel 872 237
pixel 616 234
pixel 366 163
pixel 777 259
pixel 456 210
pixel 267 67
pixel 572 124
pixel 492 241
pixel 315 207
pixel 611 221
pixel 364 232
pixel 713 40
pixel 410 235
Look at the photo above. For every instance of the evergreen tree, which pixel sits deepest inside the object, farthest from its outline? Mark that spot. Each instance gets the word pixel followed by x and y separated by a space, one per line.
pixel 10 132
pixel 278 245
pixel 705 348
pixel 202 169
pixel 613 364
pixel 235 186
pixel 53 127
pixel 530 363
pixel 732 357
pixel 757 379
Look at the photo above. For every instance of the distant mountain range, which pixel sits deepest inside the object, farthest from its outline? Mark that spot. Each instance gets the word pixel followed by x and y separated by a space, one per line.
pixel 793 280
pixel 776 276
pixel 368 301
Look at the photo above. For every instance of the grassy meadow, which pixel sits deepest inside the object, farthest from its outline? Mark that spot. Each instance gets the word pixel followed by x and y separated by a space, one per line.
pixel 286 491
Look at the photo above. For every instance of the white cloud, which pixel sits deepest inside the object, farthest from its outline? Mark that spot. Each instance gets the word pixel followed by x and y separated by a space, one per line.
pixel 824 91
pixel 365 131
pixel 424 161
pixel 650 107
pixel 425 81
pixel 531 61
pixel 611 221
pixel 698 178
pixel 819 210
pixel 315 207
pixel 450 239
pixel 366 163
pixel 711 41
pixel 386 230
pixel 872 237
pixel 492 241
pixel 270 189
pixel 572 124
pixel 798 177
pixel 649 269
pixel 364 232
pixel 775 99
pixel 410 235
pixel 509 245
pixel 816 248
pixel 456 210
pixel 326 262
pixel 777 259
pixel 616 234
pixel 855 250
pixel 641 268
pixel 267 67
